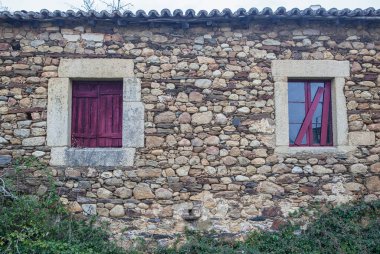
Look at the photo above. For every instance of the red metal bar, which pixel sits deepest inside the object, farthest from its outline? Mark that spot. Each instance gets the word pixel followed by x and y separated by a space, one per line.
pixel 308 100
pixel 325 113
pixel 309 116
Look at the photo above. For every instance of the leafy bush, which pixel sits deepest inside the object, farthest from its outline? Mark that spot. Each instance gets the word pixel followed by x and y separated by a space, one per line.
pixel 31 225
pixel 197 242
pixel 347 229
pixel 41 225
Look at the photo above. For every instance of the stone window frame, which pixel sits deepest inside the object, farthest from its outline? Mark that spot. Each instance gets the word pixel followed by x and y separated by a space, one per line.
pixel 336 72
pixel 59 113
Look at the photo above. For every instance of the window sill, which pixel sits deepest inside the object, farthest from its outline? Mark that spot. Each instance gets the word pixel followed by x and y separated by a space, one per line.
pixel 91 157
pixel 288 150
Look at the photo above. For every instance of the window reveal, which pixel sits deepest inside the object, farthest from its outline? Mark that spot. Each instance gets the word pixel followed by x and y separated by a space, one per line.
pixel 310 118
pixel 97 114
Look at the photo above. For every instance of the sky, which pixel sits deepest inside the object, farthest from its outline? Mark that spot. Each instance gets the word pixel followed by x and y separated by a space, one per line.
pixel 36 5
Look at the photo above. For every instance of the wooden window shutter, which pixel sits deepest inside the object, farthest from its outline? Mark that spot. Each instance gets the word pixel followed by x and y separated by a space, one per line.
pixel 96 114
pixel 110 115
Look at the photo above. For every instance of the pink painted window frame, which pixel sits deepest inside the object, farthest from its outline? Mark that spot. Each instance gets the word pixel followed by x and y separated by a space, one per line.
pixel 310 107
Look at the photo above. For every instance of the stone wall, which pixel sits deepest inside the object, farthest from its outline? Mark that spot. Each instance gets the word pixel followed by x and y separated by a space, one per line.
pixel 209 159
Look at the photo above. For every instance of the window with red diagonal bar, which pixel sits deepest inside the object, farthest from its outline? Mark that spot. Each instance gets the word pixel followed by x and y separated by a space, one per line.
pixel 310 118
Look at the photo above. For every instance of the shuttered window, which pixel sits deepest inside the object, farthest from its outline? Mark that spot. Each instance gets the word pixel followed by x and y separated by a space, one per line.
pixel 310 118
pixel 97 114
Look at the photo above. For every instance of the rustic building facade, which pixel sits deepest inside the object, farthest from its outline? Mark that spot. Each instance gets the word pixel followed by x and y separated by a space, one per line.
pixel 215 121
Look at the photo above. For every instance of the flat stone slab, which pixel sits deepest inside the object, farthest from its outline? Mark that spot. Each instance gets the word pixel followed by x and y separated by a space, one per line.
pixel 99 156
pixel 310 68
pixel 95 68
pixel 5 160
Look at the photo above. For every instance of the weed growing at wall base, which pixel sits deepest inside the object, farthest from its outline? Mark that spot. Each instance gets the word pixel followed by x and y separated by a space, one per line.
pixel 31 224
pixel 349 229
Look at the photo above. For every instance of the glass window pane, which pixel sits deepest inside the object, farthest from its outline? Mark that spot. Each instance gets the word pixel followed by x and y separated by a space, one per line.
pixel 317 117
pixel 296 112
pixel 297 99
pixel 293 132
pixel 296 92
pixel 313 89
pixel 316 133
pixel 329 130
pixel 329 134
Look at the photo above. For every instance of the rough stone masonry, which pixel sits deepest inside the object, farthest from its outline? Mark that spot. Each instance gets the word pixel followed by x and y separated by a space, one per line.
pixel 208 161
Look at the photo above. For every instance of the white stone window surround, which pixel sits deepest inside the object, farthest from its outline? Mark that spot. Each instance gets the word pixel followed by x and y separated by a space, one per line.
pixel 335 71
pixel 59 113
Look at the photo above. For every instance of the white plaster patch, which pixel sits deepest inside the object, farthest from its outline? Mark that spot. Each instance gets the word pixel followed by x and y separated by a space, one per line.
pixel 58 157
pixel 71 37
pixel 364 138
pixel 93 36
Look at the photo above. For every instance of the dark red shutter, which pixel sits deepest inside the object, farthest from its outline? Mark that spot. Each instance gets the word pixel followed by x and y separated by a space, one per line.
pixel 84 115
pixel 110 115
pixel 97 114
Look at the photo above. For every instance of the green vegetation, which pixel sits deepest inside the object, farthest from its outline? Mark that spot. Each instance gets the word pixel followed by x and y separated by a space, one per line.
pixel 30 224
pixel 349 229
pixel 346 229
